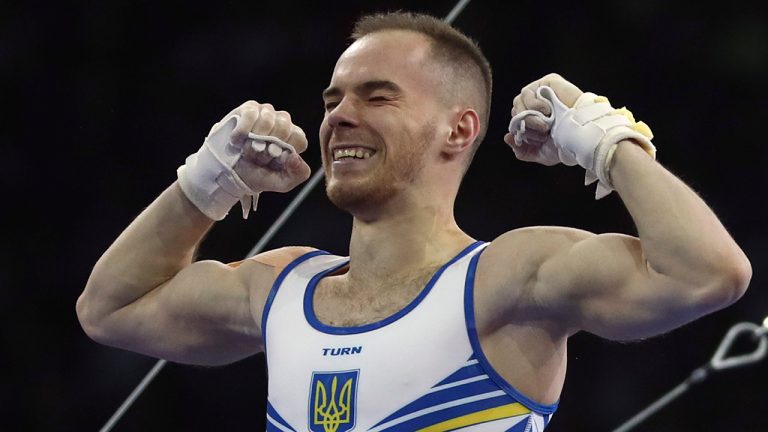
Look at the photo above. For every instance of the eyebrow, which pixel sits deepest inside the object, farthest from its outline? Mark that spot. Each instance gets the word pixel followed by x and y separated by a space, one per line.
pixel 366 87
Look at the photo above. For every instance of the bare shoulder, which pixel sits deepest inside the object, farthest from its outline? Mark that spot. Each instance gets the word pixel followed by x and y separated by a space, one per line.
pixel 261 271
pixel 509 268
pixel 530 246
pixel 277 259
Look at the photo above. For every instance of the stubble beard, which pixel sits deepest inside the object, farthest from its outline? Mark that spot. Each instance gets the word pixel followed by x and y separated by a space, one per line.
pixel 386 180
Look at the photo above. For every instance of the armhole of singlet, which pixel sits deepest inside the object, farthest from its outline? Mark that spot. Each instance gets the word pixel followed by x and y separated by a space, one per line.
pixel 276 286
pixel 474 339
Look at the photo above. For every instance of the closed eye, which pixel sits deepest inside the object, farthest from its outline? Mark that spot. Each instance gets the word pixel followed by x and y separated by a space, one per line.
pixel 331 105
pixel 379 99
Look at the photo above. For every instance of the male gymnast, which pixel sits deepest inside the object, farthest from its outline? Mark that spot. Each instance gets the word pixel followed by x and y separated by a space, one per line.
pixel 406 108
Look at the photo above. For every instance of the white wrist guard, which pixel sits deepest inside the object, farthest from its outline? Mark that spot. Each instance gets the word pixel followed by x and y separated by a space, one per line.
pixel 587 134
pixel 208 177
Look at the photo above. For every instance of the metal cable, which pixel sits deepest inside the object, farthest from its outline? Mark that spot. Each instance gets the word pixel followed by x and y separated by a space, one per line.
pixel 722 360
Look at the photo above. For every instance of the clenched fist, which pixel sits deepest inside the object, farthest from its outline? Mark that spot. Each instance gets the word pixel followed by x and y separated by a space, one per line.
pixel 252 150
pixel 535 145
pixel 267 165
pixel 555 122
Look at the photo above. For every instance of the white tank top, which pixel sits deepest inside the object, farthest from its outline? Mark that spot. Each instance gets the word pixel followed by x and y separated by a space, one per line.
pixel 419 369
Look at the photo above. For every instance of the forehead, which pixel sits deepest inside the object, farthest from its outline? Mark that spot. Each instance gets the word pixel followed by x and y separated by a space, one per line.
pixel 393 55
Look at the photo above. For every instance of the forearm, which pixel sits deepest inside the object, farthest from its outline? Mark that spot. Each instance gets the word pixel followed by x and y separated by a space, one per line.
pixel 159 243
pixel 680 235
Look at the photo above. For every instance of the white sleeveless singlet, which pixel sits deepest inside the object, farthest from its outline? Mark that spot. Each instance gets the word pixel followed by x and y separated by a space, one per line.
pixel 421 369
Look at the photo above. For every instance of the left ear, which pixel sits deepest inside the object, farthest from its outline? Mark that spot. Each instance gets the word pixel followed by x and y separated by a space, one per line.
pixel 463 133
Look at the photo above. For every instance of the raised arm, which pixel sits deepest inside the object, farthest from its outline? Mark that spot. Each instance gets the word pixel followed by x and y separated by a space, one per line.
pixel 683 264
pixel 146 294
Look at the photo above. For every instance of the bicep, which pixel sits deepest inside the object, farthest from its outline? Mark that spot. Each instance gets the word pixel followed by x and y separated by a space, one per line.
pixel 202 315
pixel 603 284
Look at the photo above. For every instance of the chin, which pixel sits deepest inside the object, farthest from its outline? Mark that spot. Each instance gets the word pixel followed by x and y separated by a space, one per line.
pixel 359 196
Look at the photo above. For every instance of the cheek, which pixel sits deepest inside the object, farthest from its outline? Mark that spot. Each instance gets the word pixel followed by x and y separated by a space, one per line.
pixel 324 134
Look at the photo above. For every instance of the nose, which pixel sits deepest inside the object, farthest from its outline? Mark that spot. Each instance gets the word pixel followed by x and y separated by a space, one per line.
pixel 343 115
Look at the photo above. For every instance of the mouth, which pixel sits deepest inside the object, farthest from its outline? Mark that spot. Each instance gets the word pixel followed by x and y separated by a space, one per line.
pixel 351 153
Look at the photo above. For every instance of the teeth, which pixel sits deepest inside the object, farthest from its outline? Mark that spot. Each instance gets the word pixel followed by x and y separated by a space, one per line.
pixel 351 153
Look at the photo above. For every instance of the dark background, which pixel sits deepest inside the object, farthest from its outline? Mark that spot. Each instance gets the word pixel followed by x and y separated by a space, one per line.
pixel 103 100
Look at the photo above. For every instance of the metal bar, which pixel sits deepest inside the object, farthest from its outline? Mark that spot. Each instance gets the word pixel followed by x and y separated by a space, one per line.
pixel 654 407
pixel 456 11
pixel 133 396
pixel 722 360
pixel 288 212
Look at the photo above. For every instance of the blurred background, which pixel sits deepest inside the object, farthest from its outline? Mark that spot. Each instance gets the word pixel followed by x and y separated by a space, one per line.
pixel 102 101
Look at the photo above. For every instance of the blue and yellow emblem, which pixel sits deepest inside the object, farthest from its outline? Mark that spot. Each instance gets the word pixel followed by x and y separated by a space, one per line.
pixel 333 401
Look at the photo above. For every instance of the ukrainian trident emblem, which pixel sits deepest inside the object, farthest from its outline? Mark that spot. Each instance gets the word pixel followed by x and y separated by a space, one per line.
pixel 332 403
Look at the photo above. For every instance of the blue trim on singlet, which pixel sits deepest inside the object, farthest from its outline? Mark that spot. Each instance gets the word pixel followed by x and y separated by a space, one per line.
pixel 469 312
pixel 276 286
pixel 309 311
pixel 272 412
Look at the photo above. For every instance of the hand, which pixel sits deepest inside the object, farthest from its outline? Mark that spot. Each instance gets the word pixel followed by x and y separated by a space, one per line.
pixel 537 145
pixel 272 168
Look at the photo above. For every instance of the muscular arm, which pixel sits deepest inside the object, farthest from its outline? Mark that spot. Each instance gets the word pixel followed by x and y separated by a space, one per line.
pixel 146 295
pixel 683 265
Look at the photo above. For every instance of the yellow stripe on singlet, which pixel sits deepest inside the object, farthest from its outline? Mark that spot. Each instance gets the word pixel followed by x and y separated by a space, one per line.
pixel 500 412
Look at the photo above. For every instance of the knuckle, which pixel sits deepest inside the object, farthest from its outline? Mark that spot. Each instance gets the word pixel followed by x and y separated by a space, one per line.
pixel 267 114
pixel 283 121
pixel 282 126
pixel 249 112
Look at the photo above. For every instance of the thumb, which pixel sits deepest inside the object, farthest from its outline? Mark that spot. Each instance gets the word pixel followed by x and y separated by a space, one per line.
pixel 297 167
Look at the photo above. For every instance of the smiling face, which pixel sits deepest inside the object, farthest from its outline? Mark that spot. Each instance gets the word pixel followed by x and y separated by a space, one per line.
pixel 381 112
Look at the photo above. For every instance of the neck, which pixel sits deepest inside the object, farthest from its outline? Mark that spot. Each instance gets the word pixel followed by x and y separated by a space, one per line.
pixel 411 238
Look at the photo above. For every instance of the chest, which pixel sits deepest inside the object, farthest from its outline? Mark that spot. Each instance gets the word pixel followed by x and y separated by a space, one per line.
pixel 416 338
pixel 341 301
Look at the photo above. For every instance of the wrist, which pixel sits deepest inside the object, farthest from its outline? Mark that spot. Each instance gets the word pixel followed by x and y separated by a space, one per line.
pixel 208 178
pixel 626 156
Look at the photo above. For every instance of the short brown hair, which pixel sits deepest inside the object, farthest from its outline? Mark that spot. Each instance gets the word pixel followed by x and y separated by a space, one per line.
pixel 450 47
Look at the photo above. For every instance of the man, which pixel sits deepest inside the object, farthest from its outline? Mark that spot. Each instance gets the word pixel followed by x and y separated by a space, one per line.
pixel 406 108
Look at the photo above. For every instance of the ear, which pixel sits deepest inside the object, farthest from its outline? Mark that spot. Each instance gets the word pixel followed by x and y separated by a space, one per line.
pixel 463 133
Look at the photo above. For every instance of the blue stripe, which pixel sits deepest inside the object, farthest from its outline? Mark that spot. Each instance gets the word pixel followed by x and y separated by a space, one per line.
pixel 309 311
pixel 444 396
pixel 449 413
pixel 275 416
pixel 469 312
pixel 273 428
pixel 276 286
pixel 470 371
